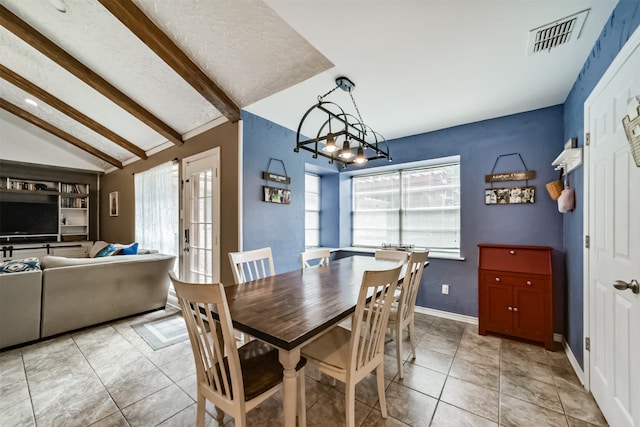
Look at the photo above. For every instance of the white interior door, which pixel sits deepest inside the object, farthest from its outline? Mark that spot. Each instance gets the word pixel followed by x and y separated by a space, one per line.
pixel 201 217
pixel 614 255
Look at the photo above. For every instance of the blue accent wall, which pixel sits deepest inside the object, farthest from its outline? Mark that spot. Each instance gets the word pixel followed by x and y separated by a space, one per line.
pixel 536 135
pixel 624 20
pixel 277 225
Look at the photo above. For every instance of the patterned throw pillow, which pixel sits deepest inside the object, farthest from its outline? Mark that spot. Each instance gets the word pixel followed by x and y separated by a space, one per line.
pixel 18 265
pixel 106 251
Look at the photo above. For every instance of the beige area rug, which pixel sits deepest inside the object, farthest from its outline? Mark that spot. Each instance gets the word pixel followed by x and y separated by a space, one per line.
pixel 162 332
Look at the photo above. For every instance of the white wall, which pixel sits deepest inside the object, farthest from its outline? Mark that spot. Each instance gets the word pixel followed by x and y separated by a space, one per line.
pixel 37 146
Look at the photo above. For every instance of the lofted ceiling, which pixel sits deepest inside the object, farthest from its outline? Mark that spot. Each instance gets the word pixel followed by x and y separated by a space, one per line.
pixel 118 80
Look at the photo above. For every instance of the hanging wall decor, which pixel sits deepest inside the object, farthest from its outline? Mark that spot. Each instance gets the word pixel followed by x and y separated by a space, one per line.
pixel 632 130
pixel 524 194
pixel 276 194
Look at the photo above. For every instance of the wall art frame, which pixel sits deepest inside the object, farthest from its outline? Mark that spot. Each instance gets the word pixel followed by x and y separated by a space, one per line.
pixel 280 196
pixel 113 203
pixel 510 195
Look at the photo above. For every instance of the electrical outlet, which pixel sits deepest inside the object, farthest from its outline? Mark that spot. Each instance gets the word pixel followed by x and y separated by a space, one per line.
pixel 445 289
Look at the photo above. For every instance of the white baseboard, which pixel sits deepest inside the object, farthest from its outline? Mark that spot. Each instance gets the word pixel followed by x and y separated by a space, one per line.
pixel 558 337
pixel 447 315
pixel 573 361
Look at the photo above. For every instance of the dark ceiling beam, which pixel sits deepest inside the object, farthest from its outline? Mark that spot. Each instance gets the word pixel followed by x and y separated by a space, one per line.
pixel 144 28
pixel 45 46
pixel 37 121
pixel 65 108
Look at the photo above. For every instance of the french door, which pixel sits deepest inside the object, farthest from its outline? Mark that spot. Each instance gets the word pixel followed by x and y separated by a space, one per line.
pixel 201 217
pixel 613 259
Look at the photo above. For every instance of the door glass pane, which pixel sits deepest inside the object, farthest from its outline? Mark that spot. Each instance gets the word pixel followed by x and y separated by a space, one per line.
pixel 201 239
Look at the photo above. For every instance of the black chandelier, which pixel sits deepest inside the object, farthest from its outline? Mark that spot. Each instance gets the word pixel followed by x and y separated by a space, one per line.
pixel 345 137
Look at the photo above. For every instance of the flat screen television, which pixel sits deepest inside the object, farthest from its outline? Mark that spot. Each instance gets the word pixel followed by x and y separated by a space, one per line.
pixel 28 218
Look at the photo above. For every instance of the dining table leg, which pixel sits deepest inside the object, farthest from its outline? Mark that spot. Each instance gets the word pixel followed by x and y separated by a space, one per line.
pixel 289 360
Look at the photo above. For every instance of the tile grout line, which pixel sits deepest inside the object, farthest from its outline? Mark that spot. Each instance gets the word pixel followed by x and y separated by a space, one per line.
pixel 26 380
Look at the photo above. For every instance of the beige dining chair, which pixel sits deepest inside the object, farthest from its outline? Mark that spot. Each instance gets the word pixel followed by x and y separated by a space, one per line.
pixel 351 355
pixel 402 311
pixel 251 265
pixel 391 255
pixel 322 255
pixel 234 379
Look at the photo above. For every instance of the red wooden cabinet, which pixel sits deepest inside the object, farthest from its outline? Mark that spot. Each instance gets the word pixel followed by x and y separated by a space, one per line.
pixel 515 292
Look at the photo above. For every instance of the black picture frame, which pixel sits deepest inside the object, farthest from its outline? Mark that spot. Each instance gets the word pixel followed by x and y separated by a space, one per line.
pixel 280 196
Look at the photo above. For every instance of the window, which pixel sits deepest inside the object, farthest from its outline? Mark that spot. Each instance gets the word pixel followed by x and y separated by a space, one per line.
pixel 156 208
pixel 311 211
pixel 415 206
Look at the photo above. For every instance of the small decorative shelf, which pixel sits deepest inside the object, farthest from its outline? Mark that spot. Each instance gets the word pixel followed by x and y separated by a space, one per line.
pixel 568 160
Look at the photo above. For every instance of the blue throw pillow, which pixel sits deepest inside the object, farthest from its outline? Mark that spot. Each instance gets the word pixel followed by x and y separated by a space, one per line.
pixel 106 251
pixel 18 265
pixel 129 250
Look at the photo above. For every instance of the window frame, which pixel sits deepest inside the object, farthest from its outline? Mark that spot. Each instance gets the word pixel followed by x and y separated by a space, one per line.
pixel 316 213
pixel 401 210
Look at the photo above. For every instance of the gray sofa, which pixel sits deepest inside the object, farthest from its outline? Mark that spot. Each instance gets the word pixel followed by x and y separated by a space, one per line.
pixel 72 293
pixel 20 296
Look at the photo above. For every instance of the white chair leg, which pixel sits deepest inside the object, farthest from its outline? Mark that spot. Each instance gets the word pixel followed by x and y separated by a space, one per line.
pixel 399 350
pixel 302 401
pixel 200 409
pixel 412 338
pixel 314 372
pixel 219 416
pixel 381 397
pixel 350 404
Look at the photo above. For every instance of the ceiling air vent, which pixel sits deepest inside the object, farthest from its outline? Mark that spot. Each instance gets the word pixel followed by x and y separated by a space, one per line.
pixel 557 33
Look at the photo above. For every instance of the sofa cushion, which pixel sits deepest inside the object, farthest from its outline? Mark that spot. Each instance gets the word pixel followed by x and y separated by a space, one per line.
pixel 51 261
pixel 97 247
pixel 18 265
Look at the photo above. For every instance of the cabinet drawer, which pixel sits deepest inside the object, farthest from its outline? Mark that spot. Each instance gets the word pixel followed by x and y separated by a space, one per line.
pixel 515 259
pixel 527 280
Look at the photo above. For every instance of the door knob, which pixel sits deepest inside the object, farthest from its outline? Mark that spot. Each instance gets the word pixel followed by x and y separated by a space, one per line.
pixel 622 285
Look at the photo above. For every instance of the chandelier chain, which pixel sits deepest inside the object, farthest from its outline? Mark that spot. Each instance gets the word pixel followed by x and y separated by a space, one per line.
pixel 358 111
pixel 321 97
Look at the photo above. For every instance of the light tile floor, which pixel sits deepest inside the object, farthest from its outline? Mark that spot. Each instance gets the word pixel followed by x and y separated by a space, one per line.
pixel 109 376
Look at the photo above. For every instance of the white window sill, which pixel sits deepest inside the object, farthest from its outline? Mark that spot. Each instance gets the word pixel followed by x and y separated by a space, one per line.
pixel 432 254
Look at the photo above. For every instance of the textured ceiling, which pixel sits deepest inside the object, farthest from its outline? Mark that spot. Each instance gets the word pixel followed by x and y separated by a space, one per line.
pixel 421 66
pixel 418 66
pixel 247 48
pixel 243 46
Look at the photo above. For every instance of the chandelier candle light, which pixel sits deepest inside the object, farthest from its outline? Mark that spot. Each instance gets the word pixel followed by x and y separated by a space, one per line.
pixel 340 132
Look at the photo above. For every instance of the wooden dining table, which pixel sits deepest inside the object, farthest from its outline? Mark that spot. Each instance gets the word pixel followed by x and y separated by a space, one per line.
pixel 289 310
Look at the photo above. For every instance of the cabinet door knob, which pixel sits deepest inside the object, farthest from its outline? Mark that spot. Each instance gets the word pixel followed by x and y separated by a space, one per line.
pixel 515 308
pixel 497 279
pixel 510 308
pixel 512 252
pixel 529 282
